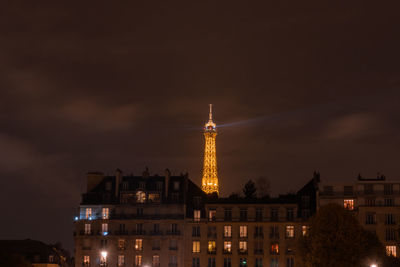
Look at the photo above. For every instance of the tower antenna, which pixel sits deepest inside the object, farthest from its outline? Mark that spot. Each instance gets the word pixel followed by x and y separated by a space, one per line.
pixel 210 116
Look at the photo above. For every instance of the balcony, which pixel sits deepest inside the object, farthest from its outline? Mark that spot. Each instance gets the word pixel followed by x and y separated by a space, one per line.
pixel 212 252
pixel 138 232
pixel 86 248
pixel 227 251
pixel 121 232
pixel 258 235
pixel 83 232
pixel 177 232
pixel 173 248
pixel 274 236
pixel 156 232
pixel 258 252
pixel 155 248
pixel 212 235
pixel 242 251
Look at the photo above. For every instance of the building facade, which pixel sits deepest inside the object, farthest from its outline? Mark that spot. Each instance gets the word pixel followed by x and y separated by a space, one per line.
pixel 375 202
pixel 168 221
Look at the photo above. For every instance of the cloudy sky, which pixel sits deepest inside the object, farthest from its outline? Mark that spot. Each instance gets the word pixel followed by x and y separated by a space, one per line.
pixel 296 86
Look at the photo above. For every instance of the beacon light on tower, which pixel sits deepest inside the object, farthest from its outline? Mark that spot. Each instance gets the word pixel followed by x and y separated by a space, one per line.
pixel 209 183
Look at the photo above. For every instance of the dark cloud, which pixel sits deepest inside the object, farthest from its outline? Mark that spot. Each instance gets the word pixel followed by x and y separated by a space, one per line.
pixel 296 86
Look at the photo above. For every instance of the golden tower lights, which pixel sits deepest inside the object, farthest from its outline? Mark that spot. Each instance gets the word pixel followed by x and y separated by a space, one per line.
pixel 209 182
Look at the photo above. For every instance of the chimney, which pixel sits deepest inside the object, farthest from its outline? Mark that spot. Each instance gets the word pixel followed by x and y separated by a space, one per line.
pixel 167 177
pixel 118 179
pixel 93 179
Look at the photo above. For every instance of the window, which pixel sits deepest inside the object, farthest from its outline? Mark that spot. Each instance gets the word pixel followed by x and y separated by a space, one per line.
pixel 86 260
pixel 212 231
pixel 390 234
pixel 173 260
pixel 348 190
pixel 211 215
pixel 103 243
pixel 211 262
pixel 174 228
pixel 258 247
pixel 104 228
pixel 290 262
pixel 212 248
pixel 138 260
pixel 176 186
pixel 139 229
pixel 122 229
pixel 274 232
pixel 242 262
pixel 370 218
pixel 258 262
pixel 125 186
pixel 51 258
pixel 196 231
pixel 87 229
pixel 121 260
pixel 196 262
pixel 156 261
pixel 103 258
pixel 389 219
pixel 140 197
pixel 370 201
pixel 227 262
pixel 228 214
pixel 156 244
pixel 227 246
pixel 138 244
pixel 227 231
pixel 173 244
pixel 274 248
pixel 243 214
pixel 274 262
pixel 348 204
pixel 196 247
pixel 289 231
pixel 243 231
pixel 159 186
pixel 304 229
pixel 389 202
pixel 141 185
pixel 258 231
pixel 258 214
pixel 88 214
pixel 289 214
pixel 155 198
pixel 388 189
pixel 105 213
pixel 156 228
pixel 242 246
pixel 368 189
pixel 121 244
pixel 196 215
pixel 391 251
pixel 274 214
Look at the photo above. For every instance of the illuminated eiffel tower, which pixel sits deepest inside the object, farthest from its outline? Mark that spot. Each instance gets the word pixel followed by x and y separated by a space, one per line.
pixel 209 182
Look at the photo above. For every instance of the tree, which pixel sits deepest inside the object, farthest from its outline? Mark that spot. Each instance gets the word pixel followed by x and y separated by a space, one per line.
pixel 249 189
pixel 337 239
pixel 263 187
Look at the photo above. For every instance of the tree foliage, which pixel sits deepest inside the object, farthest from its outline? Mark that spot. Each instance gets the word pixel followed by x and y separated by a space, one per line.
pixel 337 239
pixel 249 189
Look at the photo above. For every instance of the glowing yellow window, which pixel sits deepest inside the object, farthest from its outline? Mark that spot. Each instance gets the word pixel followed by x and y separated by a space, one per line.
pixel 227 246
pixel 274 248
pixel 391 251
pixel 212 248
pixel 196 247
pixel 348 204
pixel 138 244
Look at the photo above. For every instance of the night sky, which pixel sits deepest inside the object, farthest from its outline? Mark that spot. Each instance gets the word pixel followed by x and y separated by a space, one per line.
pixel 297 86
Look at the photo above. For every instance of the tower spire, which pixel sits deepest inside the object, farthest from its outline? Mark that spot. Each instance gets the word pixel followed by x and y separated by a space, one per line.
pixel 209 182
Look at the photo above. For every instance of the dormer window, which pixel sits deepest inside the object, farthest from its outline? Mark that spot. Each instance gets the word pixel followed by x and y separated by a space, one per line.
pixel 176 185
pixel 141 185
pixel 125 186
pixel 141 197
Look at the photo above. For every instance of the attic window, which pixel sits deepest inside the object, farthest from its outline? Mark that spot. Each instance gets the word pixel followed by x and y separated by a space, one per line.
pixel 141 185
pixel 176 185
pixel 140 196
pixel 159 186
pixel 125 186
pixel 108 186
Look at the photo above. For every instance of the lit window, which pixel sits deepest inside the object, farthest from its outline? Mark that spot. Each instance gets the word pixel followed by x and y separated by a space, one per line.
pixel 156 261
pixel 140 196
pixel 86 260
pixel 138 260
pixel 87 228
pixel 289 231
pixel 227 231
pixel 391 251
pixel 105 213
pixel 243 231
pixel 348 204
pixel 104 228
pixel 88 213
pixel 138 244
pixel 243 246
pixel 274 248
pixel 211 215
pixel 154 198
pixel 103 258
pixel 304 229
pixel 196 215
pixel 212 247
pixel 121 260
pixel 196 247
pixel 121 244
pixel 227 246
pixel 51 258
